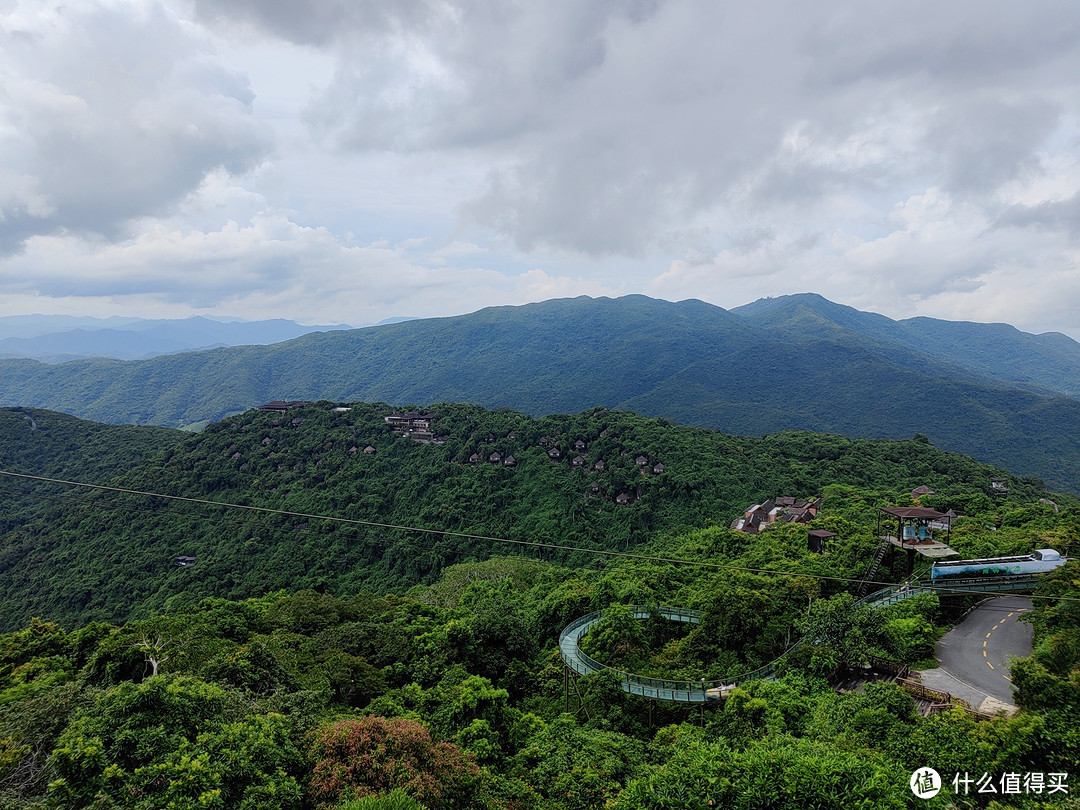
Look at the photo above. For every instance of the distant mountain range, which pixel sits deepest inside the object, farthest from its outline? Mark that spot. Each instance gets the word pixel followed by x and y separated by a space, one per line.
pixel 794 362
pixel 58 338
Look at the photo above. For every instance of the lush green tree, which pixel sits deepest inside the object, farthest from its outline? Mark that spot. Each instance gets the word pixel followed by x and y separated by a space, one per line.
pixel 576 768
pixel 167 742
pixel 396 799
pixel 837 632
pixel 777 772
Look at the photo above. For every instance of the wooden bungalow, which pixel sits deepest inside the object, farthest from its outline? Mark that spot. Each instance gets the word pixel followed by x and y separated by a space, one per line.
pixel 815 540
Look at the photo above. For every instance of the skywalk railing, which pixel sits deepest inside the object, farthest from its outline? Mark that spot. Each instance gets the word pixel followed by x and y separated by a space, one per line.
pixel 695 691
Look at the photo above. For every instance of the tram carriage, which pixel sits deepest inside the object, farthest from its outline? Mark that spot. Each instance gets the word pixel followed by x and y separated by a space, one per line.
pixel 1038 562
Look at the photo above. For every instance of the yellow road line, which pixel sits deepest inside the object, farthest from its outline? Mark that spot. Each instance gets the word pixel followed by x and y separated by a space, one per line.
pixel 984 653
pixel 989 665
pixel 988 635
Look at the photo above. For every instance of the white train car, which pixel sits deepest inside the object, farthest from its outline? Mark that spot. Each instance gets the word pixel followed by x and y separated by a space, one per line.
pixel 1038 562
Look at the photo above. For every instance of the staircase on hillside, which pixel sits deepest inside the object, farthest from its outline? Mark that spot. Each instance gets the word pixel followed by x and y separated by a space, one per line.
pixel 871 570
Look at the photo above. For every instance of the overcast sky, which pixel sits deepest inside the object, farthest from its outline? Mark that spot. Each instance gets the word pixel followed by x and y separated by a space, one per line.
pixel 353 160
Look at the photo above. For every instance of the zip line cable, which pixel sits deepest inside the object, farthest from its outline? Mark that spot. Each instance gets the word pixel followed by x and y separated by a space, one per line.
pixel 481 537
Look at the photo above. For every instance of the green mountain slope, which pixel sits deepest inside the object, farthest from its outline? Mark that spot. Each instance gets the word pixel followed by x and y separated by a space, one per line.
pixel 56 445
pixel 82 555
pixel 1047 363
pixel 800 362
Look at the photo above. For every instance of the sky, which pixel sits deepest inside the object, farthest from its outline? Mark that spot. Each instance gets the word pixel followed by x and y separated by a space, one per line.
pixel 347 161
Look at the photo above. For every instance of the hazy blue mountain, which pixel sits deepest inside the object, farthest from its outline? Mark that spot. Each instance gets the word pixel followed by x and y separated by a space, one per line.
pixel 798 362
pixel 27 326
pixel 58 338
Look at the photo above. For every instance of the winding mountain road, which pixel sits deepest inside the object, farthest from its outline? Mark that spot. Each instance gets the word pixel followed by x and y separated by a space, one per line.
pixel 978 651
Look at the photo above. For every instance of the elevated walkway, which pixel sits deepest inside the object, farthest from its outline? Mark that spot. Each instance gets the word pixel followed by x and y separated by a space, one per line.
pixel 1013 582
pixel 702 691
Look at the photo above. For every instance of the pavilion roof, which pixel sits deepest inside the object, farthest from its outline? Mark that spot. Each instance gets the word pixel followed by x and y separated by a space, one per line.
pixel 912 512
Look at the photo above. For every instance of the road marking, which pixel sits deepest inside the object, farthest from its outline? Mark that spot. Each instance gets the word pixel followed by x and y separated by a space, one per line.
pixel 1008 616
pixel 984 653
pixel 992 629
pixel 989 665
pixel 988 635
pixel 984 643
pixel 1006 677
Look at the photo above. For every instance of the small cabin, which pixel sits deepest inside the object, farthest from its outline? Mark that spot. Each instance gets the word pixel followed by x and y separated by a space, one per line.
pixel 184 562
pixel 815 540
pixel 509 461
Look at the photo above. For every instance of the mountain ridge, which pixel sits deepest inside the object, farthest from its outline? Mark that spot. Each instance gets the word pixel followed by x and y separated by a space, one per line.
pixel 795 362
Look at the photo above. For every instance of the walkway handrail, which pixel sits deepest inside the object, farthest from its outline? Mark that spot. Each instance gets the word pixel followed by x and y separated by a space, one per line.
pixel 695 691
pixel 582 663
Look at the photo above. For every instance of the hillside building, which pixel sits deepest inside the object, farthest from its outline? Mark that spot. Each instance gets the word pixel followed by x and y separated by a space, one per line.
pixel 417 426
pixel 784 509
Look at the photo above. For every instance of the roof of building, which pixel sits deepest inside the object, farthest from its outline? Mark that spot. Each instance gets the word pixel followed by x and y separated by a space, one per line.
pixel 912 512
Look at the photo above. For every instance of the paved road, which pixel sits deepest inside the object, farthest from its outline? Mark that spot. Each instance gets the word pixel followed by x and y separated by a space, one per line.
pixel 977 651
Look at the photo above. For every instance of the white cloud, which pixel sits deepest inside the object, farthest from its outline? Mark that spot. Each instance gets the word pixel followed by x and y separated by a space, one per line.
pixel 110 112
pixel 435 156
pixel 272 265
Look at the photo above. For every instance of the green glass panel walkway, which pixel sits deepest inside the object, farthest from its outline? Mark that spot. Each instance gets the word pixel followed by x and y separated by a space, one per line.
pixel 702 691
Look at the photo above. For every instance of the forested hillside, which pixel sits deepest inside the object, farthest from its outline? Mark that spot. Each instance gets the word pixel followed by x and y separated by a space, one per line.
pixel 73 556
pixel 453 696
pixel 1048 363
pixel 788 365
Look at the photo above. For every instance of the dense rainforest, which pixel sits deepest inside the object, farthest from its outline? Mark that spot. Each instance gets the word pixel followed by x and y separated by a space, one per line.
pixel 796 362
pixel 301 662
pixel 74 555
